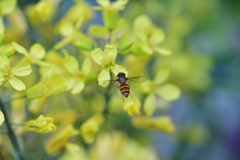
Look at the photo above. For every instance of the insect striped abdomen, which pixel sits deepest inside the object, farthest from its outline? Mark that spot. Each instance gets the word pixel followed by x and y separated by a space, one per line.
pixel 124 88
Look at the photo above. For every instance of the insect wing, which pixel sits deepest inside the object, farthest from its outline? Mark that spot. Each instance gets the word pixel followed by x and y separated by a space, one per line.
pixel 110 82
pixel 138 79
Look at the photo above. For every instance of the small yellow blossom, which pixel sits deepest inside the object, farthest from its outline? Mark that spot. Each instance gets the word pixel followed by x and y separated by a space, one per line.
pixel 74 152
pixel 1 118
pixel 162 123
pixel 75 80
pixel 91 126
pixel 8 73
pixel 41 125
pixel 60 139
pixel 107 60
pixel 132 106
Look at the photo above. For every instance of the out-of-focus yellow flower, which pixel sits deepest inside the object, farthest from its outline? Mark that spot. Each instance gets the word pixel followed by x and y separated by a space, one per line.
pixel 1 118
pixel 110 11
pixel 162 123
pixel 74 152
pixel 132 106
pixel 36 105
pixel 90 127
pixel 6 7
pixel 149 37
pixel 71 114
pixel 35 55
pixel 196 134
pixel 41 125
pixel 167 91
pixel 107 60
pixel 42 12
pixel 118 146
pixel 51 84
pixel 75 80
pixel 60 139
pixel 8 74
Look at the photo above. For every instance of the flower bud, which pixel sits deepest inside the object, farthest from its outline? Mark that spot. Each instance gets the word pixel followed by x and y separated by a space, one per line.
pixel 110 17
pixel 9 51
pixel 41 125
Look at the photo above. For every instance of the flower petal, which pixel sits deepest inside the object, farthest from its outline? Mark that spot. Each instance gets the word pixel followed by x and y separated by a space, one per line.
pixel 149 104
pixel 37 51
pixel 157 36
pixel 118 68
pixel 110 52
pixel 1 118
pixel 17 84
pixel 162 74
pixel 146 48
pixel 71 64
pixel 78 87
pixel 162 51
pixel 103 78
pixel 2 76
pixel 169 92
pixel 4 62
pixel 98 56
pixel 20 48
pixel 86 67
pixel 22 69
pixel 103 3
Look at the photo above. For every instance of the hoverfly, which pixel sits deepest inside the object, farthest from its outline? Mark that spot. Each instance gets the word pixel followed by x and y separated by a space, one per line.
pixel 123 81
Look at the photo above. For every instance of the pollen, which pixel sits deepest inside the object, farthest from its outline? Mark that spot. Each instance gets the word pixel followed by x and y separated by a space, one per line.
pixel 8 74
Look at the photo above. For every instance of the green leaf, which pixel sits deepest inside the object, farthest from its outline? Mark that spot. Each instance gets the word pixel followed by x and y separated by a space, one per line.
pixel 162 74
pixel 78 87
pixel 162 51
pixel 86 67
pixel 98 56
pixel 17 84
pixel 104 78
pixel 22 69
pixel 37 51
pixel 149 104
pixel 169 92
pixel 4 62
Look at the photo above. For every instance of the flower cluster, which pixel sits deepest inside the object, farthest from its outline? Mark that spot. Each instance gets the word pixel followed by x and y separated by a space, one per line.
pixel 69 68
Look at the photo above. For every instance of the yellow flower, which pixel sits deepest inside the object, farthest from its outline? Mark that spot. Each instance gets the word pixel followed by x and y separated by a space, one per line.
pixel 158 87
pixel 41 125
pixel 60 139
pixel 162 123
pixel 91 126
pixel 51 84
pixel 110 11
pixel 8 73
pixel 35 55
pixel 132 106
pixel 76 80
pixel 1 118
pixel 149 37
pixel 6 7
pixel 107 60
pixel 74 152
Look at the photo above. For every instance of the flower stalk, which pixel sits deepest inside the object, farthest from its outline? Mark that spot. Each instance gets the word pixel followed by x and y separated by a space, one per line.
pixel 11 134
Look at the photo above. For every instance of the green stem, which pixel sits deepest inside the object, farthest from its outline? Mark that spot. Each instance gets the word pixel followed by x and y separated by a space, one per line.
pixel 3 84
pixel 11 134
pixel 14 99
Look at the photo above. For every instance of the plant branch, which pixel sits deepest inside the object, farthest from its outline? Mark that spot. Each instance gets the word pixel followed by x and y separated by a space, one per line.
pixel 14 99
pixel 11 134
